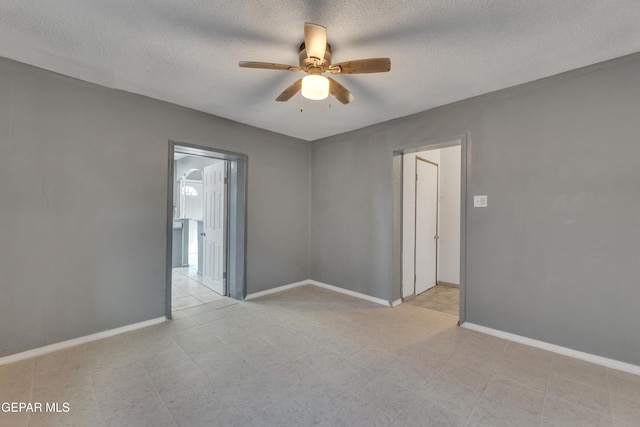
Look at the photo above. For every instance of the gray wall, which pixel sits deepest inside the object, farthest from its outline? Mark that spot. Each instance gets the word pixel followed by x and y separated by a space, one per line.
pixel 556 254
pixel 83 204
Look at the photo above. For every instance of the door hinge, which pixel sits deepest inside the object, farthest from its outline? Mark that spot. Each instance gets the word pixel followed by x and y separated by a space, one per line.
pixel 225 179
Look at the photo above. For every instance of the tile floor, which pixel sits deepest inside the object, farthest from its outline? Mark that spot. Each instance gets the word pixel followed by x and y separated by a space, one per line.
pixel 187 290
pixel 308 356
pixel 440 298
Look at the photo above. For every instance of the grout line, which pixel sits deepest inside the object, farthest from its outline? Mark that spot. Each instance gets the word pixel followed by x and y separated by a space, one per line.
pixel 546 389
pixel 93 388
pixel 610 398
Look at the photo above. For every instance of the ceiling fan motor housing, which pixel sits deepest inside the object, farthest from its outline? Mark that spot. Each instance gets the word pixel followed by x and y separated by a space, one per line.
pixel 314 65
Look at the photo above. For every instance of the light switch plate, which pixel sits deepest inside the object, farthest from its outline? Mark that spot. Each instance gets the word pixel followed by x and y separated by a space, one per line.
pixel 480 201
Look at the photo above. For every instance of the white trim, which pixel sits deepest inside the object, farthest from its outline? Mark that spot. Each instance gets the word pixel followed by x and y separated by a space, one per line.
pixel 320 285
pixel 77 341
pixel 350 293
pixel 278 289
pixel 396 302
pixel 598 360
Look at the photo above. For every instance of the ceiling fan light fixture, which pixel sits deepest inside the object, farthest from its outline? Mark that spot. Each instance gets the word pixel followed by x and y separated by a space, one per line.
pixel 315 87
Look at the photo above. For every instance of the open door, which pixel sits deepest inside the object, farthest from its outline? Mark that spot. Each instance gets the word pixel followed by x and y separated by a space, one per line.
pixel 214 226
pixel 426 242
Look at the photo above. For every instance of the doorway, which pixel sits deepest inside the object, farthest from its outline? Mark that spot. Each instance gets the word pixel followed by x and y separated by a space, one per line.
pixel 206 222
pixel 199 221
pixel 431 230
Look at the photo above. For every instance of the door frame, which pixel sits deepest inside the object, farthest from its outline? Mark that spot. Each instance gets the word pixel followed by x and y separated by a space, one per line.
pixel 397 208
pixel 236 264
pixel 415 219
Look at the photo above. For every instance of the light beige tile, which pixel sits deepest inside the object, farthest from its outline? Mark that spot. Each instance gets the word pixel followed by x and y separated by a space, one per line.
pixel 150 413
pixel 624 384
pixel 108 359
pixel 452 396
pixel 14 419
pixel 354 409
pixel 68 387
pixel 180 382
pixel 176 325
pixel 515 395
pixel 118 374
pixel 219 357
pixel 15 394
pixel 18 369
pixel 262 391
pixel 286 413
pixel 201 345
pixel 316 358
pixel 64 362
pixel 490 413
pixel 619 423
pixel 477 341
pixel 185 302
pixel 221 376
pixel 392 398
pixel 147 348
pixel 318 402
pixel 421 359
pixel 178 314
pixel 446 341
pixel 427 414
pixel 165 359
pixel 580 371
pixel 462 373
pixel 16 377
pixel 592 398
pixel 481 358
pixel 529 356
pixel 190 333
pixel 530 377
pixel 107 345
pixel 136 402
pixel 626 410
pixel 561 413
pixel 200 309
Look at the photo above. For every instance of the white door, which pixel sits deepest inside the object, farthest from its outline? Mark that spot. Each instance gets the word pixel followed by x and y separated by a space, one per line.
pixel 214 226
pixel 426 225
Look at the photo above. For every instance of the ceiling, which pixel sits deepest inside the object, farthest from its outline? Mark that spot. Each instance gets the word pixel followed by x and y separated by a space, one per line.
pixel 187 52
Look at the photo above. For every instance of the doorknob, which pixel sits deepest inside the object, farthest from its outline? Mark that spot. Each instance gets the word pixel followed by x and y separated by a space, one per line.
pixel 203 234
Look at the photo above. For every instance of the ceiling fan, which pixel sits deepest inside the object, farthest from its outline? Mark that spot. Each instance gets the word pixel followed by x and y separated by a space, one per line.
pixel 315 60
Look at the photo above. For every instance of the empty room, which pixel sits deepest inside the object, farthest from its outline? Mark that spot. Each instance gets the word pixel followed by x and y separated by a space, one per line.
pixel 320 213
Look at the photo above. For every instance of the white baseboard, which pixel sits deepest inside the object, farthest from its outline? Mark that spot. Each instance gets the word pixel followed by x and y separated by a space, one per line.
pixel 598 360
pixel 350 293
pixel 320 285
pixel 278 289
pixel 77 341
pixel 396 302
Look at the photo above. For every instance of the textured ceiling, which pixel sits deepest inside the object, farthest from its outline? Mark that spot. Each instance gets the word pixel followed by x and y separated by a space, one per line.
pixel 441 51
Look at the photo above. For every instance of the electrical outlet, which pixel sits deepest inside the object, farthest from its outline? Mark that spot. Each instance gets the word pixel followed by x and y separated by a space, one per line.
pixel 480 201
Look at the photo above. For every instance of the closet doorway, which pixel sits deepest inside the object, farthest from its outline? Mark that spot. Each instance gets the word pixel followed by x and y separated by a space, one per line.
pixel 431 197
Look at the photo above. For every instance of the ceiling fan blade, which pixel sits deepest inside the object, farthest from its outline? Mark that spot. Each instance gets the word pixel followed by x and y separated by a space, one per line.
pixel 290 91
pixel 268 66
pixel 340 92
pixel 362 66
pixel 315 40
